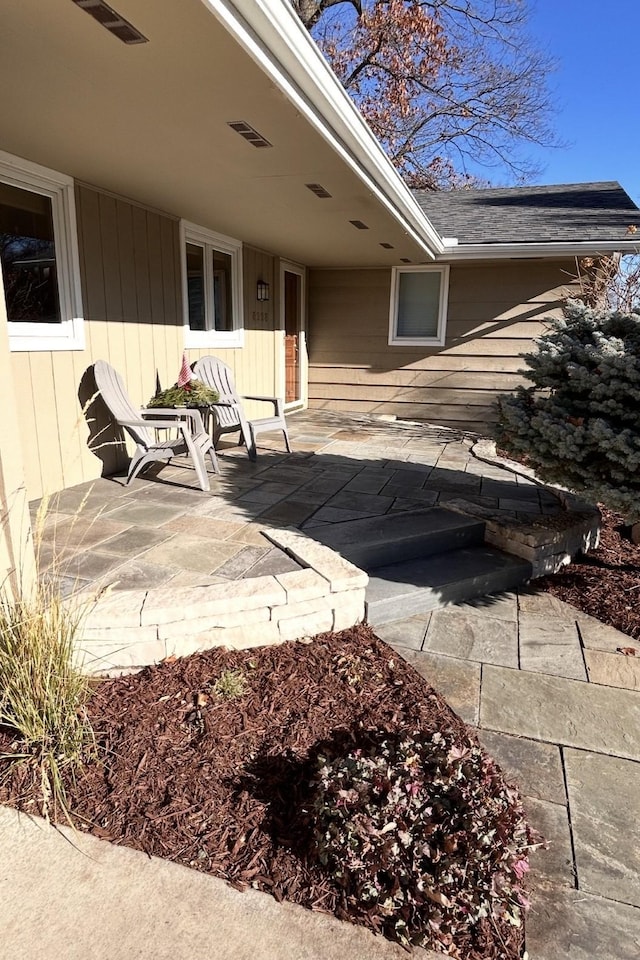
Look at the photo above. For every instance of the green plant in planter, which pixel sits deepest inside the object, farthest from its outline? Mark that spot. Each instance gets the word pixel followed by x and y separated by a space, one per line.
pixel 192 394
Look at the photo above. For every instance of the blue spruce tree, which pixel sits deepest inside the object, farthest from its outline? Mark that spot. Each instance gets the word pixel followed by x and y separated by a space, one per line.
pixel 579 424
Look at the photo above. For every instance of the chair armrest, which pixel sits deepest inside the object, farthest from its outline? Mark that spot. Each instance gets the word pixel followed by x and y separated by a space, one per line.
pixel 160 424
pixel 278 402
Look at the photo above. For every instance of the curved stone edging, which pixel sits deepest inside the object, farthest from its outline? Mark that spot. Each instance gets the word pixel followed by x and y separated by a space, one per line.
pixel 549 542
pixel 128 630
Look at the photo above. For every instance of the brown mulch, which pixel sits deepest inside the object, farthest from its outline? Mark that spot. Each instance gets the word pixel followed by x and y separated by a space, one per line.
pixel 605 582
pixel 219 785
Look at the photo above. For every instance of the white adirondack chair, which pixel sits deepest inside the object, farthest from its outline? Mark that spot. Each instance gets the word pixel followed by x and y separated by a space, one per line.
pixel 228 413
pixel 192 437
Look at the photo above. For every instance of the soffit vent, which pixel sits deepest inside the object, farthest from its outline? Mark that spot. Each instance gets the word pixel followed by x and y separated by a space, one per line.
pixel 111 21
pixel 359 225
pixel 249 133
pixel 387 246
pixel 405 260
pixel 318 189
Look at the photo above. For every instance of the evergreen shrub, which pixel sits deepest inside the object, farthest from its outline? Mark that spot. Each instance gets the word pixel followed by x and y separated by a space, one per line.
pixel 578 425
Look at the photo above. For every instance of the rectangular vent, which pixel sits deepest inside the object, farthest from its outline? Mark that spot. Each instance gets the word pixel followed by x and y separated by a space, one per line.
pixel 359 225
pixel 247 131
pixel 387 246
pixel 405 260
pixel 318 189
pixel 111 21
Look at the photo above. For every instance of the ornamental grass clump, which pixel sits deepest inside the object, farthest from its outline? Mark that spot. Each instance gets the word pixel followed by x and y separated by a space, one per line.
pixel 43 696
pixel 422 834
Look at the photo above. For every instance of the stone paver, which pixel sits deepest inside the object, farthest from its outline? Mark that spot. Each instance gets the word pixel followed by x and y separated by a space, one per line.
pixel 551 646
pixel 405 633
pixel 552 821
pixel 600 636
pixel 456 680
pixel 471 637
pixel 557 710
pixel 566 923
pixel 604 793
pixel 613 669
pixel 535 767
pixel 199 554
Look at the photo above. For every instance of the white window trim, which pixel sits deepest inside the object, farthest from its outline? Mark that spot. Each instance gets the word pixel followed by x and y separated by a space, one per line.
pixel 69 334
pixel 198 339
pixel 439 339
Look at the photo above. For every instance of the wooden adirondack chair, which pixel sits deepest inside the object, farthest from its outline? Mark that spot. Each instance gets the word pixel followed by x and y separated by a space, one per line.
pixel 228 413
pixel 192 437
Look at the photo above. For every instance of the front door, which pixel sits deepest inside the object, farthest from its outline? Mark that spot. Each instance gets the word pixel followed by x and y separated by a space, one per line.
pixel 292 278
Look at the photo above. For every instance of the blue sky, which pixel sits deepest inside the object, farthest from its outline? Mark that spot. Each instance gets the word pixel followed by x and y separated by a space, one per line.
pixel 597 89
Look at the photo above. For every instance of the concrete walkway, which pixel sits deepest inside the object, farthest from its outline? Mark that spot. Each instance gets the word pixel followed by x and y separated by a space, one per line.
pixel 553 702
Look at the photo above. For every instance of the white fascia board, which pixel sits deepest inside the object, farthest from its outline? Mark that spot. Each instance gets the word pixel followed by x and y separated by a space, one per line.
pixel 275 38
pixel 516 251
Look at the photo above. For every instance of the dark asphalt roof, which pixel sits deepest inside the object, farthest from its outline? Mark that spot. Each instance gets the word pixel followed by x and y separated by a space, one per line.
pixel 547 214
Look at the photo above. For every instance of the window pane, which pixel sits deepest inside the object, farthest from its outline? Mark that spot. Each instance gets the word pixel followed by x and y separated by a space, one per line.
pixel 28 255
pixel 195 287
pixel 222 304
pixel 418 304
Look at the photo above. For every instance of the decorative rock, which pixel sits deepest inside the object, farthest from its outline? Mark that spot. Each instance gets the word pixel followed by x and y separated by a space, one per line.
pixel 172 632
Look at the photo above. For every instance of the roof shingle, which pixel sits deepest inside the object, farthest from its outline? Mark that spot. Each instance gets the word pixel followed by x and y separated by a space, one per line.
pixel 538 214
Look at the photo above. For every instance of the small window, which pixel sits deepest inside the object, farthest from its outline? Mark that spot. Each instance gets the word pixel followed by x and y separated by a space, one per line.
pixel 212 266
pixel 418 309
pixel 39 257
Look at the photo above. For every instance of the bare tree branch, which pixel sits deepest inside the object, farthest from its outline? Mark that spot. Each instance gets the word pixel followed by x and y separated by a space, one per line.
pixel 444 84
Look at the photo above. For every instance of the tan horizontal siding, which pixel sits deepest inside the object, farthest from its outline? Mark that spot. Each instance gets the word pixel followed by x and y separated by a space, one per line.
pixel 461 413
pixel 132 300
pixel 496 311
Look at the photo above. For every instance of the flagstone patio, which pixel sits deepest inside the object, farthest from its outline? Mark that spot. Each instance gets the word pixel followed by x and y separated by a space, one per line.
pixel 162 529
pixel 551 696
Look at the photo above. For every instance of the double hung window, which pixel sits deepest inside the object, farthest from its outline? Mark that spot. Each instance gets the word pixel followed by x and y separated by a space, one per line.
pixel 418 311
pixel 212 286
pixel 39 257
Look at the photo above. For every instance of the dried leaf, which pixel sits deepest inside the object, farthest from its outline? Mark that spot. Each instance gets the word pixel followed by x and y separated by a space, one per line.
pixel 628 651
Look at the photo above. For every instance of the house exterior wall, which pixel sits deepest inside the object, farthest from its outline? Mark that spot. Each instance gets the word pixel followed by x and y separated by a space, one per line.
pixel 132 299
pixel 17 558
pixel 495 312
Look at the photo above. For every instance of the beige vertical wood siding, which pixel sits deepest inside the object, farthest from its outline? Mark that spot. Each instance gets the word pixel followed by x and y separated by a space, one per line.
pixel 496 310
pixel 132 298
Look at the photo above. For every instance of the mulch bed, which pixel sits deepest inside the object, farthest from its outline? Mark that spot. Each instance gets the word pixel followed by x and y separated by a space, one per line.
pixel 219 785
pixel 605 582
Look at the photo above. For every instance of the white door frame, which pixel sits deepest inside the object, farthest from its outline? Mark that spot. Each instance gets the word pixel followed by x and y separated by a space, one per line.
pixel 289 266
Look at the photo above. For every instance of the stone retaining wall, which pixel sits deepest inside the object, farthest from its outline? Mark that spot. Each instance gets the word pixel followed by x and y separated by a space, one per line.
pixel 548 542
pixel 127 630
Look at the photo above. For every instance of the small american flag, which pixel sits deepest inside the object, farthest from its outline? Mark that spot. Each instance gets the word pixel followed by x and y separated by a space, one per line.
pixel 185 377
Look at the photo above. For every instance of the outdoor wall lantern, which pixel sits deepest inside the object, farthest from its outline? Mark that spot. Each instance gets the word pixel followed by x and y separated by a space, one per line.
pixel 262 291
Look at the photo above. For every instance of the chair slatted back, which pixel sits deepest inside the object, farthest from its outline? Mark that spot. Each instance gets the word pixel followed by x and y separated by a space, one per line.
pixel 114 393
pixel 217 375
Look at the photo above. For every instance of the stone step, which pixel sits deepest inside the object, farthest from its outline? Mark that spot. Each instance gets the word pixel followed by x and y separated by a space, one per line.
pixel 416 586
pixel 396 537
